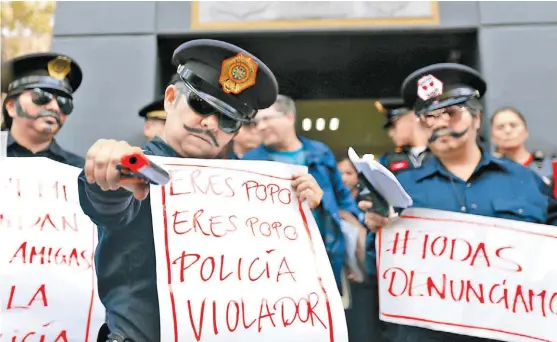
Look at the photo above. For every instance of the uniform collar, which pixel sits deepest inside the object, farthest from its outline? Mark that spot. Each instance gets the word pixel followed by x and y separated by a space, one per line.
pixel 158 145
pixel 53 147
pixel 433 166
pixel 11 140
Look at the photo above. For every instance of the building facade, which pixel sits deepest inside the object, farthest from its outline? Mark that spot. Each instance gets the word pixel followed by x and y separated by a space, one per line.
pixel 317 49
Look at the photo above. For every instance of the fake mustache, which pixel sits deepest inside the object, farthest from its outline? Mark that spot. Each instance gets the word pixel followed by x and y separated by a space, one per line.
pixel 43 113
pixel 446 131
pixel 203 132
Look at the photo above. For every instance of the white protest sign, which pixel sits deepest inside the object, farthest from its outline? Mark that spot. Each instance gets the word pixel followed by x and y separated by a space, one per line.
pixel 48 288
pixel 238 258
pixel 470 275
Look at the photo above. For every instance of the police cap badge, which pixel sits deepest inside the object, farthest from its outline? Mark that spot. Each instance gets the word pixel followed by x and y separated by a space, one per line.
pixel 229 78
pixel 441 85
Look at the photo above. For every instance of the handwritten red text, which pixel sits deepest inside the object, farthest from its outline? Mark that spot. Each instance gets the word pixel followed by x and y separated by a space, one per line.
pixel 41 255
pixel 516 297
pixel 267 192
pixel 267 314
pixel 221 267
pixel 61 222
pixel 200 183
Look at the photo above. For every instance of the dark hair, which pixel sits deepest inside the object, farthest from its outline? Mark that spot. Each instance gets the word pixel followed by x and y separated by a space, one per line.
pixel 6 119
pixel 512 110
pixel 474 106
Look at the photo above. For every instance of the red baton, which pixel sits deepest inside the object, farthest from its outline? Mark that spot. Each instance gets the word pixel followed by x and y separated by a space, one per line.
pixel 138 167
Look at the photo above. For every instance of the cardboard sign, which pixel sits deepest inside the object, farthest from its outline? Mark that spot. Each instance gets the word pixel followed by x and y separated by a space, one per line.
pixel 470 275
pixel 48 289
pixel 241 258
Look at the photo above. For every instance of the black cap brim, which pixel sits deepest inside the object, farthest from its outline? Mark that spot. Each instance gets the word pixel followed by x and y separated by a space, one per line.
pixel 156 105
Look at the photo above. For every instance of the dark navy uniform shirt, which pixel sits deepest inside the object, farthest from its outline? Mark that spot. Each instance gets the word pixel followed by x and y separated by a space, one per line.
pixel 125 255
pixel 53 151
pixel 497 188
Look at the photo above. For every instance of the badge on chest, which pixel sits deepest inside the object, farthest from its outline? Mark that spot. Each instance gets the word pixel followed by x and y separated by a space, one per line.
pixel 399 165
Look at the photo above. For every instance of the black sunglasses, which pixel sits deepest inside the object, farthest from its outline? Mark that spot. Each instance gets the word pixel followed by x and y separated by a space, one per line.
pixel 42 97
pixel 205 109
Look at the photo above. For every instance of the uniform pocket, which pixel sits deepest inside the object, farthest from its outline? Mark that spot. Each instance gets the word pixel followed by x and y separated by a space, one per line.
pixel 520 209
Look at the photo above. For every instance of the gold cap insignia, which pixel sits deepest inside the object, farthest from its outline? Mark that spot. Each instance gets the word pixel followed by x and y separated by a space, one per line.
pixel 59 67
pixel 237 74
pixel 379 107
pixel 539 155
pixel 156 114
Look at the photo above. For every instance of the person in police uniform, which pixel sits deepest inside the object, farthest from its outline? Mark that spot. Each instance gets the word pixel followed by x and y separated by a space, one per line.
pixel 39 97
pixel 222 87
pixel 407 133
pixel 460 176
pixel 155 117
pixel 509 132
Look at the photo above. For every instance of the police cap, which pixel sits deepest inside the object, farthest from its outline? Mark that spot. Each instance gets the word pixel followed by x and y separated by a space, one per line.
pixel 154 110
pixel 229 78
pixel 441 85
pixel 393 110
pixel 50 71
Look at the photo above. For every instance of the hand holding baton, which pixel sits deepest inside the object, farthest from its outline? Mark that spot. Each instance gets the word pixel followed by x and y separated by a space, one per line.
pixel 137 167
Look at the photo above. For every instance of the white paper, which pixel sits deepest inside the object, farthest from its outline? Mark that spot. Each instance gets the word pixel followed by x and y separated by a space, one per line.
pixel 351 234
pixel 48 288
pixel 3 144
pixel 182 212
pixel 491 257
pixel 383 180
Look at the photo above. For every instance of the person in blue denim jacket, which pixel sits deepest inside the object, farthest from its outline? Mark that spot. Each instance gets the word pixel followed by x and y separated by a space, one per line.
pixel 280 143
pixel 204 112
pixel 461 177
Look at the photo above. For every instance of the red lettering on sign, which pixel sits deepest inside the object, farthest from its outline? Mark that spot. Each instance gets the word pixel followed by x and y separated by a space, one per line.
pixel 200 182
pixel 200 222
pixel 39 295
pixel 35 189
pixel 30 336
pixel 283 312
pixel 268 229
pixel 267 192
pixel 30 254
pixel 474 254
pixel 248 269
pixel 515 298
